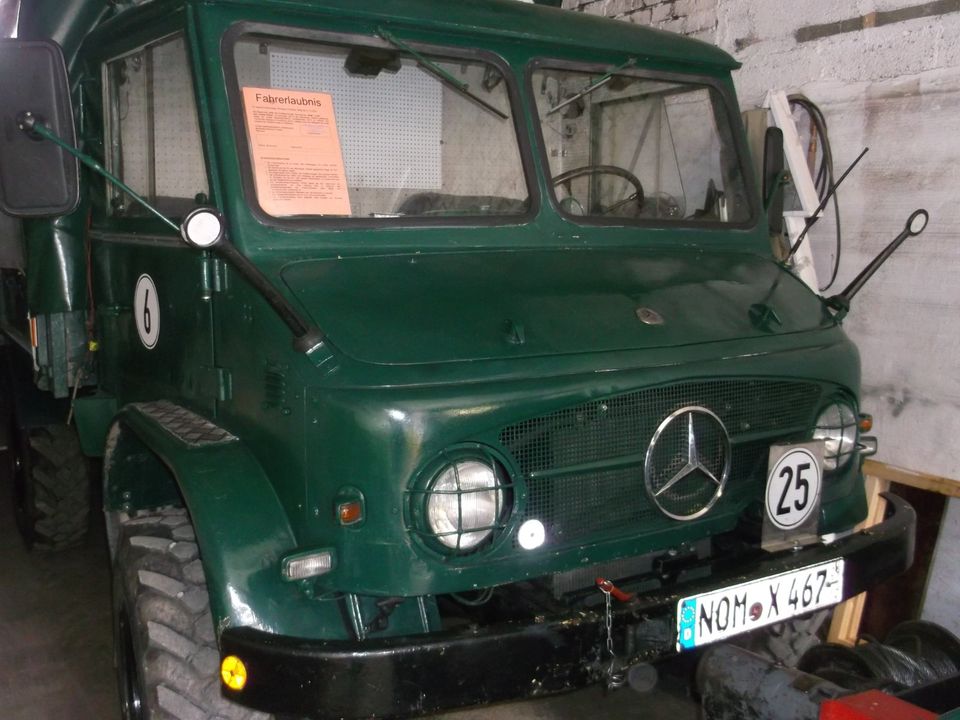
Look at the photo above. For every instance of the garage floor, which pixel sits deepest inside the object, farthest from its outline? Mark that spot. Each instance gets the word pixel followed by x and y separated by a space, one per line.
pixel 56 653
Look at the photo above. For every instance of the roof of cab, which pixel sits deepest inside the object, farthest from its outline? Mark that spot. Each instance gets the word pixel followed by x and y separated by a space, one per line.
pixel 67 21
pixel 523 21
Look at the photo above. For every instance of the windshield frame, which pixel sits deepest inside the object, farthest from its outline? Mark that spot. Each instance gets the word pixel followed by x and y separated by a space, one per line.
pixel 240 30
pixel 724 94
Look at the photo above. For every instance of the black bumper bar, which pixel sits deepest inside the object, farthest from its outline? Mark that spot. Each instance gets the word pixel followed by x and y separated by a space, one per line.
pixel 418 674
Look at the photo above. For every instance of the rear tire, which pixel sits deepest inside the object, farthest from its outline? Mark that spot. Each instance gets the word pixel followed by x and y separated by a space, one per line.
pixel 51 486
pixel 165 649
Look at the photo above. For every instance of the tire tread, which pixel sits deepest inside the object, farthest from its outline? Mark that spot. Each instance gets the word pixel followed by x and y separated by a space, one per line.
pixel 165 590
pixel 61 486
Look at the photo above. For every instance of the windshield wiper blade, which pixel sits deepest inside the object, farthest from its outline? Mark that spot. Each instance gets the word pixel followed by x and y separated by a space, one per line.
pixel 593 86
pixel 431 67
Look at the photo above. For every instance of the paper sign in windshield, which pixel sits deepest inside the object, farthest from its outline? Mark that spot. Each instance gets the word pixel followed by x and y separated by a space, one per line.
pixel 297 162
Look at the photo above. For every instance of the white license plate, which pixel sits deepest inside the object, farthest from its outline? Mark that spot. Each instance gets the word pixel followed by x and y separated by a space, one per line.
pixel 721 614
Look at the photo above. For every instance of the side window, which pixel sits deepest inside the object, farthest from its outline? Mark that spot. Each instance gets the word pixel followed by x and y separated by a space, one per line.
pixel 153 132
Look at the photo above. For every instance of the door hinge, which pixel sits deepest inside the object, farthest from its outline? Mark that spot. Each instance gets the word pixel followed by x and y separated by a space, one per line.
pixel 213 276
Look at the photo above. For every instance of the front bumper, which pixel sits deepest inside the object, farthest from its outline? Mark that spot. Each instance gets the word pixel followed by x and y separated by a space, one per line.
pixel 426 673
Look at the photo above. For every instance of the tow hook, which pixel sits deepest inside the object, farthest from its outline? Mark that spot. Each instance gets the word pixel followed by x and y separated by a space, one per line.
pixel 615 675
pixel 608 588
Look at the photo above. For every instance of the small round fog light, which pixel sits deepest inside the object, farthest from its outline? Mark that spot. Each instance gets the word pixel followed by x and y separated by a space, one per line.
pixel 233 672
pixel 531 535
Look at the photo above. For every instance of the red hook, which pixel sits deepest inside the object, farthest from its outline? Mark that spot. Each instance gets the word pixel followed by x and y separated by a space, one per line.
pixel 608 587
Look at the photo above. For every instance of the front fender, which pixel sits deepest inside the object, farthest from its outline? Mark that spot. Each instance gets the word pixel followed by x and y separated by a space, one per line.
pixel 159 453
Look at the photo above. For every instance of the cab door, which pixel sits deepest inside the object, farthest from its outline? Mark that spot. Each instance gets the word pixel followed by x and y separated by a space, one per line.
pixel 154 292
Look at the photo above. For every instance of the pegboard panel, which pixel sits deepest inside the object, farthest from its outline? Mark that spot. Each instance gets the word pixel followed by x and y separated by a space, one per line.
pixel 481 153
pixel 134 124
pixel 390 126
pixel 178 164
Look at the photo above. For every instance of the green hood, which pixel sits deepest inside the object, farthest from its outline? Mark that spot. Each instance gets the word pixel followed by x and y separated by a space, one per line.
pixel 442 307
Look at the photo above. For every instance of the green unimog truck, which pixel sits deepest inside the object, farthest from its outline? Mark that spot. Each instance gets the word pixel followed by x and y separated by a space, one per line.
pixel 436 353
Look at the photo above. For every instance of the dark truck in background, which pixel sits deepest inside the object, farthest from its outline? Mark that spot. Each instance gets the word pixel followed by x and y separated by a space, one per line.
pixel 435 353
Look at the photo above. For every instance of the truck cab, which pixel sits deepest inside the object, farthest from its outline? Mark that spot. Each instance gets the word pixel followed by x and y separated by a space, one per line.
pixel 436 354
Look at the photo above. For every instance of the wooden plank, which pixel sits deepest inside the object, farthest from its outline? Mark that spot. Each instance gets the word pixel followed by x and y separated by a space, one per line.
pixel 845 626
pixel 923 481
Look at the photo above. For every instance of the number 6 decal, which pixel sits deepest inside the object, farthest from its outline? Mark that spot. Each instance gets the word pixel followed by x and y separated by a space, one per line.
pixel 146 311
pixel 793 488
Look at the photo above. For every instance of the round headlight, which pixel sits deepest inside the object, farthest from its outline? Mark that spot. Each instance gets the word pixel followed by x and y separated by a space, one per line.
pixel 837 427
pixel 465 503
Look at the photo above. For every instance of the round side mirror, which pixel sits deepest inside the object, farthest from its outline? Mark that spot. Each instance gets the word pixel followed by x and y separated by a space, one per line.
pixel 917 222
pixel 203 228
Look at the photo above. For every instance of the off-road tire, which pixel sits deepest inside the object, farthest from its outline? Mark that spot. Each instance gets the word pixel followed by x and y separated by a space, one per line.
pixel 166 654
pixel 51 487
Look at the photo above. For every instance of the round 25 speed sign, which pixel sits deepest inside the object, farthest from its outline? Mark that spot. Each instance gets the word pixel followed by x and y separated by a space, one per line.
pixel 793 487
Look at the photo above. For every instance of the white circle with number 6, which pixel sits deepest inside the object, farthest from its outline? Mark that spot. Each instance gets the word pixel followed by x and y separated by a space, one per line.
pixel 146 311
pixel 793 488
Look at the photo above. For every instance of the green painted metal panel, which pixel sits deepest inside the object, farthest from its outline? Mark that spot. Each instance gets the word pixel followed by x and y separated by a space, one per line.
pixel 242 532
pixel 93 415
pixel 180 365
pixel 56 281
pixel 448 307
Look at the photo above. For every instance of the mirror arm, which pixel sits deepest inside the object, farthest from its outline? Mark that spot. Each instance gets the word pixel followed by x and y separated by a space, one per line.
pixel 31 125
pixel 307 338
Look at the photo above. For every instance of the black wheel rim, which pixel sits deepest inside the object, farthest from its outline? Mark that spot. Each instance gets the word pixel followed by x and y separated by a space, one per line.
pixel 130 692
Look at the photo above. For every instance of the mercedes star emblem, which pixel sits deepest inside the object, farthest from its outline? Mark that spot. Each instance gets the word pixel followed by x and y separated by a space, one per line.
pixel 687 463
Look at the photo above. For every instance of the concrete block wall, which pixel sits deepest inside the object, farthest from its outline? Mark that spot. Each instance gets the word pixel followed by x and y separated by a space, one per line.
pixel 697 18
pixel 887 75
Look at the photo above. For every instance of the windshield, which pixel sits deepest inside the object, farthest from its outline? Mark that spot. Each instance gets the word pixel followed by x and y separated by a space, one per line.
pixel 378 130
pixel 625 147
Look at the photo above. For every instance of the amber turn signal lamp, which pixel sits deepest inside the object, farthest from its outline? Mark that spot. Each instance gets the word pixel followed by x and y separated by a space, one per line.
pixel 350 512
pixel 348 506
pixel 866 422
pixel 233 672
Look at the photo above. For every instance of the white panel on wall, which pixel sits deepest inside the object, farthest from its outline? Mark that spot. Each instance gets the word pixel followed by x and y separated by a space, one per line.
pixel 397 148
pixel 940 602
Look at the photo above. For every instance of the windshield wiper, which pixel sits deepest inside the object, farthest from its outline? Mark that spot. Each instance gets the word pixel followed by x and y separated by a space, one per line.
pixel 431 67
pixel 593 86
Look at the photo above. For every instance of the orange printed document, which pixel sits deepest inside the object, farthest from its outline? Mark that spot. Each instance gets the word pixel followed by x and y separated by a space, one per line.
pixel 295 149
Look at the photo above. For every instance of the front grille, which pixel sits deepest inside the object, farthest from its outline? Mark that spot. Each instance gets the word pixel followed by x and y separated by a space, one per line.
pixel 583 466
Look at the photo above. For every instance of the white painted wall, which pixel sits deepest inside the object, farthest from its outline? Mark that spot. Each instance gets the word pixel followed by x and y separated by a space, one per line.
pixel 896 89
